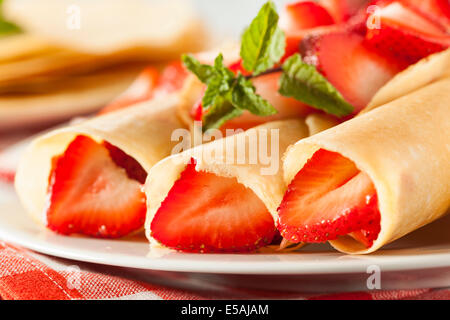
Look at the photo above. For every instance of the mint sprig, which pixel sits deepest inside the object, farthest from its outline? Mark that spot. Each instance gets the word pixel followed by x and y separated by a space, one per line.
pixel 219 114
pixel 227 95
pixel 263 42
pixel 244 97
pixel 263 46
pixel 303 82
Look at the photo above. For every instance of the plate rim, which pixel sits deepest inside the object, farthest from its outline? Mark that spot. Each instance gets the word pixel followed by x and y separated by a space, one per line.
pixel 352 265
pixel 22 231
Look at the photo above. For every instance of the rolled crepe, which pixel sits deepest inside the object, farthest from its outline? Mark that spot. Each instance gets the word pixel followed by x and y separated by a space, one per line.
pixel 142 131
pixel 404 147
pixel 220 158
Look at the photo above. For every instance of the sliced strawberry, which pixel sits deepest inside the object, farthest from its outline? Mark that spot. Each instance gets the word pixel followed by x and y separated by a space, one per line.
pixel 132 167
pixel 207 213
pixel 267 86
pixel 405 36
pixel 435 10
pixel 293 40
pixel 343 10
pixel 89 194
pixel 329 198
pixel 405 18
pixel 149 84
pixel 141 90
pixel 349 64
pixel 305 15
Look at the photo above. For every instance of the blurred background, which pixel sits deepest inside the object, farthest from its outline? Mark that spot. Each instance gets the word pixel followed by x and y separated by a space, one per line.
pixel 65 58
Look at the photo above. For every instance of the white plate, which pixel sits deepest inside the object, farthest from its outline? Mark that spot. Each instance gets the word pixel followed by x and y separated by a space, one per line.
pixel 416 261
pixel 419 260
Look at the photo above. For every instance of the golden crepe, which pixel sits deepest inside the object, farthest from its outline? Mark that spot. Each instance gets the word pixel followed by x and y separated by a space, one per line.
pixel 35 103
pixel 142 131
pixel 220 158
pixel 56 63
pixel 22 46
pixel 403 147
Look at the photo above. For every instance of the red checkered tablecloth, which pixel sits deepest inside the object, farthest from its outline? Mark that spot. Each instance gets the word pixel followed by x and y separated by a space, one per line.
pixel 29 275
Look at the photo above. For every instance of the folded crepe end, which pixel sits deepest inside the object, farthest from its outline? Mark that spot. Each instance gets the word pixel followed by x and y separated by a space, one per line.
pixel 207 213
pixel 330 198
pixel 95 189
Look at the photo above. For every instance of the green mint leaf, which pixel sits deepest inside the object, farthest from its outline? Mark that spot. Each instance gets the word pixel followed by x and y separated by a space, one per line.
pixel 5 26
pixel 8 28
pixel 303 82
pixel 222 111
pixel 245 97
pixel 221 69
pixel 263 43
pixel 219 83
pixel 204 72
pixel 217 87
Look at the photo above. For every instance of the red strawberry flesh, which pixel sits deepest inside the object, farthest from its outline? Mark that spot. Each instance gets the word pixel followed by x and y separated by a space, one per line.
pixel 133 168
pixel 150 83
pixel 343 10
pixel 405 36
pixel 207 213
pixel 90 194
pixel 7 176
pixel 435 10
pixel 329 198
pixel 305 15
pixel 353 68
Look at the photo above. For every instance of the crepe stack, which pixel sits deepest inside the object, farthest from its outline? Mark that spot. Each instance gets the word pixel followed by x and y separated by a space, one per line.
pixel 55 69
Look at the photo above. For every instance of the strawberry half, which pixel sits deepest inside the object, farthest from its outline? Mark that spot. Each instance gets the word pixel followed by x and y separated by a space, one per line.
pixel 349 64
pixel 207 213
pixel 305 15
pixel 329 198
pixel 132 167
pixel 406 36
pixel 90 194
